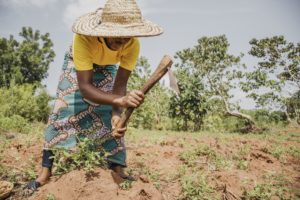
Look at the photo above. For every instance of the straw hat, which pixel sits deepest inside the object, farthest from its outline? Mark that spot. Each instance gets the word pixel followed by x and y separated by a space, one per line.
pixel 118 18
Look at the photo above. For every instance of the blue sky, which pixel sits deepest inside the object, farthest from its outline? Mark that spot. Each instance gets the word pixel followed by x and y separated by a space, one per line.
pixel 183 21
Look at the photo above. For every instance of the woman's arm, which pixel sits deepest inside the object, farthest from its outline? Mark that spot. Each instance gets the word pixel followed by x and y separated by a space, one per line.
pixel 117 99
pixel 120 86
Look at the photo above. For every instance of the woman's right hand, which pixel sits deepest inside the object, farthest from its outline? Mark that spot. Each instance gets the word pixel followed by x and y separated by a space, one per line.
pixel 133 99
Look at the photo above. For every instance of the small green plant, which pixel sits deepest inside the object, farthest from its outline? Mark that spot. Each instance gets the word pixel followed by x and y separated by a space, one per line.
pixel 191 157
pixel 50 197
pixel 181 170
pixel 294 151
pixel 260 191
pixel 7 174
pixel 196 187
pixel 153 175
pixel 85 157
pixel 275 185
pixel 243 164
pixel 204 155
pixel 30 171
pixel 277 151
pixel 126 185
pixel 30 174
pixel 244 150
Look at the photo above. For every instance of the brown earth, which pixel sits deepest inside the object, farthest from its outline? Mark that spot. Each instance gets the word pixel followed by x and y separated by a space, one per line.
pixel 156 164
pixel 99 185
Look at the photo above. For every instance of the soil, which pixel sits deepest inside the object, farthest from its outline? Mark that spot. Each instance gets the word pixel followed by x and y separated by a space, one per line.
pixel 99 185
pixel 156 164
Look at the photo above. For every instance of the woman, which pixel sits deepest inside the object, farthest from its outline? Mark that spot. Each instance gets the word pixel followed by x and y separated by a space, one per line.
pixel 92 90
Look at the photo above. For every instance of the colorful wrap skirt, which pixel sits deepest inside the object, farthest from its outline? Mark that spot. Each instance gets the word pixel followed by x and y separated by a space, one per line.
pixel 75 117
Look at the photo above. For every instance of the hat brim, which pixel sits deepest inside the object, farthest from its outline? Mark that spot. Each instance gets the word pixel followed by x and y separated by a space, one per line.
pixel 91 24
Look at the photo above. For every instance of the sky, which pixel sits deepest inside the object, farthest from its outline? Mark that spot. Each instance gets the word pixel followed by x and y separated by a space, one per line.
pixel 183 21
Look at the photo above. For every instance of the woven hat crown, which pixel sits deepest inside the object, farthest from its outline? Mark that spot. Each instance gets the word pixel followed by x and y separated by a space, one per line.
pixel 121 12
pixel 118 18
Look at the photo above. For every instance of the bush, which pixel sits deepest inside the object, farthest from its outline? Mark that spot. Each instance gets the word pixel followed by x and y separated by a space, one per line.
pixel 15 123
pixel 266 117
pixel 27 100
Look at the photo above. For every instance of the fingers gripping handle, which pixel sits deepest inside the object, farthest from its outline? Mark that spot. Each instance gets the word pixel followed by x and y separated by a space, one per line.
pixel 160 71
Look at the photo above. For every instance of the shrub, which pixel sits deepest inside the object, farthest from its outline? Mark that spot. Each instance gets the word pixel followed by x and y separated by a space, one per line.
pixel 27 101
pixel 15 123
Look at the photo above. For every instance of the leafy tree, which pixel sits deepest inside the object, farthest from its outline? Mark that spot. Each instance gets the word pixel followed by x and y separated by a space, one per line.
pixel 293 106
pixel 9 62
pixel 276 77
pixel 26 61
pixel 190 104
pixel 154 111
pixel 218 71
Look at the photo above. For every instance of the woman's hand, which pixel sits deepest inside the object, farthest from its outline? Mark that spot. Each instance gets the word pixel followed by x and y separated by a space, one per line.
pixel 121 131
pixel 134 99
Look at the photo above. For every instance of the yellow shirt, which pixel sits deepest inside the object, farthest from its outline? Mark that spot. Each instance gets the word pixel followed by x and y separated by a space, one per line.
pixel 89 49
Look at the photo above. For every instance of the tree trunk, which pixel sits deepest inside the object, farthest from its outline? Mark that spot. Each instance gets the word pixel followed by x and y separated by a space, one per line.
pixel 185 125
pixel 247 118
pixel 250 122
pixel 288 119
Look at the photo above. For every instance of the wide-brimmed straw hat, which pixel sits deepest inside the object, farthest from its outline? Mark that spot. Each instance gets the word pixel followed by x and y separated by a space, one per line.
pixel 118 18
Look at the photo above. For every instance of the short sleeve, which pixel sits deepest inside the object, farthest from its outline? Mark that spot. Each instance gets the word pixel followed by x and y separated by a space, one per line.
pixel 130 55
pixel 82 54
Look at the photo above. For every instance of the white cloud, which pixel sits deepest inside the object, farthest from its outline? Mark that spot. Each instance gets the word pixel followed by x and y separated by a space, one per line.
pixel 22 3
pixel 77 8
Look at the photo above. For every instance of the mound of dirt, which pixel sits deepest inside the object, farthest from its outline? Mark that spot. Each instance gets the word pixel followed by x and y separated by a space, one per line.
pixel 5 189
pixel 102 184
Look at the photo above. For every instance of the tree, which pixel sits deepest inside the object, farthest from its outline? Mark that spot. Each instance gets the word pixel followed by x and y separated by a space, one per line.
pixel 26 61
pixel 190 104
pixel 293 106
pixel 218 71
pixel 276 77
pixel 154 111
pixel 9 62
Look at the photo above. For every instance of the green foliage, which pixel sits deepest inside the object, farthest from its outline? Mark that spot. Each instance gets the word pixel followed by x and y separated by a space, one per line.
pixel 268 117
pixel 294 151
pixel 85 157
pixel 26 61
pixel 196 187
pixel 190 104
pixel 213 72
pixel 23 103
pixel 15 123
pixel 126 185
pixel 9 174
pixel 276 76
pixel 217 122
pixel 204 155
pixel 293 106
pixel 153 113
pixel 274 186
pixel 261 191
pixel 50 197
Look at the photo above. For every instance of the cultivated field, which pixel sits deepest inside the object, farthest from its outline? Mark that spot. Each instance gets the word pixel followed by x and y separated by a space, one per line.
pixel 169 165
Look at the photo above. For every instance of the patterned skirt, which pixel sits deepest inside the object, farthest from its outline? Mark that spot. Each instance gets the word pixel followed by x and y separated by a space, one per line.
pixel 74 117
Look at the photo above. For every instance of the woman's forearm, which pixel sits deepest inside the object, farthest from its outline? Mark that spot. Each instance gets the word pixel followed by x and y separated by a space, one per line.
pixel 92 93
pixel 120 88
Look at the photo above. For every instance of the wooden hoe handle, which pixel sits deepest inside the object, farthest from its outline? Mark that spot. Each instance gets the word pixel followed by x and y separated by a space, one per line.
pixel 160 71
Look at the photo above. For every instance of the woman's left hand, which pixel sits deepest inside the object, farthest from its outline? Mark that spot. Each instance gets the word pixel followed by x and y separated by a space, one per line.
pixel 121 131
